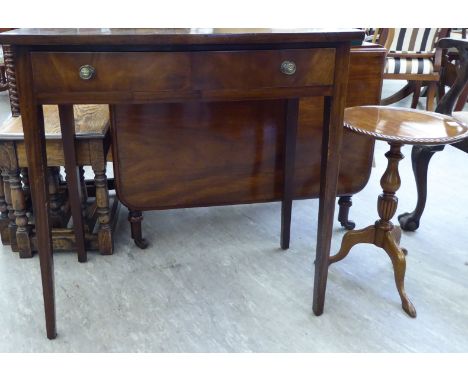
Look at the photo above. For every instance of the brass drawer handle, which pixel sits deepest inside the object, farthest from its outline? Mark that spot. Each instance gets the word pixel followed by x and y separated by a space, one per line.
pixel 288 67
pixel 87 72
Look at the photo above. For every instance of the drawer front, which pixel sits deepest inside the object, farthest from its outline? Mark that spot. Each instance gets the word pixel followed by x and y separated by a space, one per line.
pixel 263 69
pixel 113 71
pixel 185 72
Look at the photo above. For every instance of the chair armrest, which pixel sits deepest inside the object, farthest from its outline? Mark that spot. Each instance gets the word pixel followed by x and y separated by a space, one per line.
pixel 457 43
pixel 410 55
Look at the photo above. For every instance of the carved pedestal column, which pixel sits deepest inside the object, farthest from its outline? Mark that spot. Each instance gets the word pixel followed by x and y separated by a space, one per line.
pixel 383 233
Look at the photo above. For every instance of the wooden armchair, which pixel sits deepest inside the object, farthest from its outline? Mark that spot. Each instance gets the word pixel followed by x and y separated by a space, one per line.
pixel 3 79
pixel 421 155
pixel 414 57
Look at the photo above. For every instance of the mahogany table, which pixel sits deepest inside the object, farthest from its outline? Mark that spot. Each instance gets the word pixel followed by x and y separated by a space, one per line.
pixel 139 67
pixel 397 126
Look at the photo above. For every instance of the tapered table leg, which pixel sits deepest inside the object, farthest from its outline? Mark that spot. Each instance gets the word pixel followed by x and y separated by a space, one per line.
pixel 67 124
pixel 34 137
pixel 290 137
pixel 329 169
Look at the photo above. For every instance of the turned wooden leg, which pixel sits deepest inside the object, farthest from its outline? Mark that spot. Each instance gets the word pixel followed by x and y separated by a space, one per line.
pixel 345 204
pixel 105 237
pixel 11 212
pixel 416 94
pixel 135 218
pixel 4 233
pixel 23 230
pixel 350 239
pixel 420 157
pixel 383 233
pixel 55 202
pixel 84 191
pixel 387 235
pixel 25 179
pixel 399 267
pixel 26 188
pixel 431 93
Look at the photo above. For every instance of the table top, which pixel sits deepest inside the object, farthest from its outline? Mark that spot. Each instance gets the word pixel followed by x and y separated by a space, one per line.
pixel 409 126
pixel 175 36
pixel 91 121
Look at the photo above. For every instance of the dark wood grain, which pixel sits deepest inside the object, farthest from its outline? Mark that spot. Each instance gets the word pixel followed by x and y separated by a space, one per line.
pixel 249 136
pixel 191 41
pixel 115 71
pixel 151 76
pixel 261 69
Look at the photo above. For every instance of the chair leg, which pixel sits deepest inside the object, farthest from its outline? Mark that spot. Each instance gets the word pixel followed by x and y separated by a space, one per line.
pixel 135 218
pixel 462 99
pixel 11 211
pixel 345 204
pixel 416 94
pixel 431 94
pixel 420 157
pixel 399 95
pixel 84 191
pixel 22 233
pixel 105 236
pixel 55 203
pixel 26 187
pixel 4 233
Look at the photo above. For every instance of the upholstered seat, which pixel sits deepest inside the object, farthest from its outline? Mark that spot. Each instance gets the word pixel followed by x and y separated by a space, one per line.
pixel 412 56
pixel 395 65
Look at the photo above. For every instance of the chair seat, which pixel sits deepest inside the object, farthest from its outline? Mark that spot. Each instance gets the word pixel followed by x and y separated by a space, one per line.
pixel 403 125
pixel 91 121
pixel 396 65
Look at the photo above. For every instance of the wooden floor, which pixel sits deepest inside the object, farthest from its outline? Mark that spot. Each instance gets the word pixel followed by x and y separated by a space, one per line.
pixel 215 280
